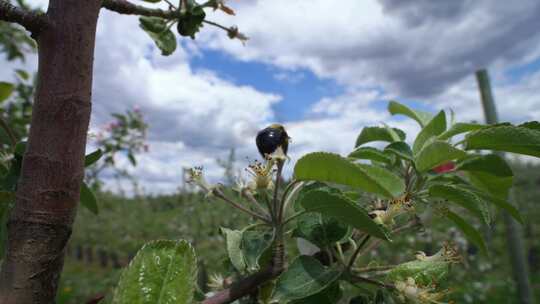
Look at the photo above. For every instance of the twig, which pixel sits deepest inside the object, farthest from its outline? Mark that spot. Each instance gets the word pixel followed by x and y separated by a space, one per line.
pixel 249 284
pixel 217 25
pixel 127 8
pixel 292 217
pixel 170 4
pixel 33 22
pixel 218 193
pixel 415 222
pixel 356 279
pixel 254 201
pixel 374 268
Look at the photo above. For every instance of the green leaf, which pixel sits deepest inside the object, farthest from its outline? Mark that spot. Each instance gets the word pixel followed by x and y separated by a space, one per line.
pixel 435 127
pixel 157 29
pixel 371 154
pixel 6 89
pixel 520 139
pixel 344 210
pixel 421 117
pixel 464 198
pixel 330 295
pixel 20 148
pixel 234 249
pixel 22 74
pixel 162 272
pixel 494 185
pixel 320 230
pixel 460 128
pixel 468 230
pixel 401 149
pixel 492 164
pixel 132 159
pixel 423 272
pixel 502 204
pixel 304 277
pixel 93 157
pixel 308 186
pixel 254 244
pixel 191 21
pixel 329 167
pixel 437 153
pixel 88 200
pixel 370 134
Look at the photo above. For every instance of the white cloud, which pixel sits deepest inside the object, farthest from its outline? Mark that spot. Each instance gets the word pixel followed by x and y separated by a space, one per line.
pixel 411 48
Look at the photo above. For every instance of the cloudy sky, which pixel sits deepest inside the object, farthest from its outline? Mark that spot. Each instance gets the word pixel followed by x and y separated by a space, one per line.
pixel 323 68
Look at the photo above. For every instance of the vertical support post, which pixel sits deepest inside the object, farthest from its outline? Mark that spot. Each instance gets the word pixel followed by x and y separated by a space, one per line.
pixel 514 235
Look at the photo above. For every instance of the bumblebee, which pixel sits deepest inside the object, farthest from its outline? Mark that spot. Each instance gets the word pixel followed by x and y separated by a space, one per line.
pixel 271 138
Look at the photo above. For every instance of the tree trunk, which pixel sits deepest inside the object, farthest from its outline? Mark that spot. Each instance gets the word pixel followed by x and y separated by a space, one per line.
pixel 53 165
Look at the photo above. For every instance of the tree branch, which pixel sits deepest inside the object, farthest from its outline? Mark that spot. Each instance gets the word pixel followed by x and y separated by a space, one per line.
pixel 128 8
pixel 251 283
pixel 33 22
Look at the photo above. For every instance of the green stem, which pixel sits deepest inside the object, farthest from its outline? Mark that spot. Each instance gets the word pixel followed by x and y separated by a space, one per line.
pixel 218 193
pixel 357 251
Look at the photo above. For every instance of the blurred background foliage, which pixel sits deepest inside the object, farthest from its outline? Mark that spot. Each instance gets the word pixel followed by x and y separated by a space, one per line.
pixel 125 224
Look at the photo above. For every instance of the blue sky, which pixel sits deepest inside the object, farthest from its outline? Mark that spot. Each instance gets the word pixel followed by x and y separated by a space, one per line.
pixel 299 88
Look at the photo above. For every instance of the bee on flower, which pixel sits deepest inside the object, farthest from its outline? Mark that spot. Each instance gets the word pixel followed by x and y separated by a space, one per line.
pixel 273 142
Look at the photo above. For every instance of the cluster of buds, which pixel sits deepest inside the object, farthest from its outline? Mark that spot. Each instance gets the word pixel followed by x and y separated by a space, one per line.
pixel 448 254
pixel 261 178
pixel 196 177
pixel 410 291
pixel 386 215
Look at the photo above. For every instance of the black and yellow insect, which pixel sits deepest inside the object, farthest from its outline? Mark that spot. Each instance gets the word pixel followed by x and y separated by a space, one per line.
pixel 271 138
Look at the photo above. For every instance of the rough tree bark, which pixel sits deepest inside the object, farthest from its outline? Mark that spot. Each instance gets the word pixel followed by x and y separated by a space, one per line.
pixel 52 170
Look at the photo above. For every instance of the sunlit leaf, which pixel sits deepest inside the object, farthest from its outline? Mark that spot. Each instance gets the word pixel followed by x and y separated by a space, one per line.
pixel 435 126
pixel 492 164
pixel 303 278
pixel 464 198
pixel 421 117
pixel 162 272
pixel 515 139
pixel 157 29
pixel 423 272
pixel 329 167
pixel 371 154
pixel 88 199
pixel 343 209
pixel 437 153
pixel 460 128
pixel 6 89
pixel 234 243
pixel 370 134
